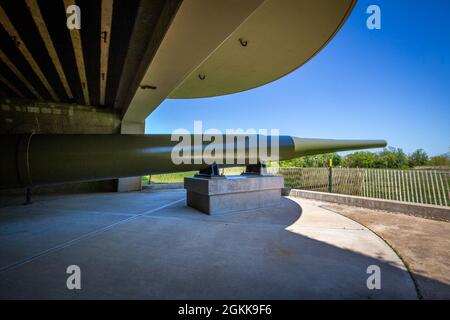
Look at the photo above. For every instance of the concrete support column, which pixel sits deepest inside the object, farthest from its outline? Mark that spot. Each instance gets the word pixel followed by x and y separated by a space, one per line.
pixel 132 183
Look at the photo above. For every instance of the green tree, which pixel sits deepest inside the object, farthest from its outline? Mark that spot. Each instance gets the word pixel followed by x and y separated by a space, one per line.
pixel 337 159
pixel 418 158
pixel 393 158
pixel 359 159
pixel 297 162
pixel 389 158
pixel 442 160
pixel 315 161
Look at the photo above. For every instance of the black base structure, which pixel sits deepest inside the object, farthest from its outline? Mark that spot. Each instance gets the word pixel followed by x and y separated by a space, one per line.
pixel 210 172
pixel 255 169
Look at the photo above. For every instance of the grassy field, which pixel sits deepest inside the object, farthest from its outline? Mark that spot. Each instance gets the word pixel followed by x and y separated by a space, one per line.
pixel 178 177
pixel 167 178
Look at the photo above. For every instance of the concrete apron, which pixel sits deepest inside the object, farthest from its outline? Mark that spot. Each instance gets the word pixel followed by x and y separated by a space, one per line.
pixel 150 245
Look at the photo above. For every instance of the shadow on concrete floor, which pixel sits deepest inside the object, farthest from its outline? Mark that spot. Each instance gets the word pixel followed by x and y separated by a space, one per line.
pixel 440 290
pixel 423 244
pixel 149 245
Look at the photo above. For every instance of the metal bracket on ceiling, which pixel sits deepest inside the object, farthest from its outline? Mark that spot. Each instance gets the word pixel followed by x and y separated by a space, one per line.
pixel 243 42
pixel 146 86
pixel 103 36
pixel 15 40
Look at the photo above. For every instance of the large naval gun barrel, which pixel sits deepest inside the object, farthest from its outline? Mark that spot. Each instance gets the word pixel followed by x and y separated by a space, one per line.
pixel 40 159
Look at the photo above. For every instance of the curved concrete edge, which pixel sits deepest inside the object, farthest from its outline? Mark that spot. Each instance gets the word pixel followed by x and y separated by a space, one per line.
pixel 328 226
pixel 418 292
pixel 434 212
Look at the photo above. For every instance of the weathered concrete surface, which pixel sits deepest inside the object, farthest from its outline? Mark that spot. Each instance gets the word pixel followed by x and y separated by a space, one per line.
pixel 423 244
pixel 422 210
pixel 24 116
pixel 151 245
pixel 233 193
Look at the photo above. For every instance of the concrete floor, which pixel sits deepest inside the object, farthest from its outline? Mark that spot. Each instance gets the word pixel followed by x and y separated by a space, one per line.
pixel 149 245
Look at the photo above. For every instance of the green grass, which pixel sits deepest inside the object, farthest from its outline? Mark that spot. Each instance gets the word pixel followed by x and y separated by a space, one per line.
pixel 178 177
pixel 167 178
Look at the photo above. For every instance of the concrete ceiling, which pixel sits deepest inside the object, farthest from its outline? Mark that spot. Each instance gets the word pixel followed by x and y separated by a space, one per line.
pixel 131 55
pixel 41 59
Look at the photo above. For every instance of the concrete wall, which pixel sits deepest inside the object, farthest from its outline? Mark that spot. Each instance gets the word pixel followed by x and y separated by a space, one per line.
pixel 24 116
pixel 132 183
pixel 421 210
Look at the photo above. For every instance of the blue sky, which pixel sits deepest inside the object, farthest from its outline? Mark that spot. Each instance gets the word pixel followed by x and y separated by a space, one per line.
pixel 392 84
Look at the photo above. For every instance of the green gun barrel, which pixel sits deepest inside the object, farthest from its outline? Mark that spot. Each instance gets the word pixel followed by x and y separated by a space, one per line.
pixel 31 160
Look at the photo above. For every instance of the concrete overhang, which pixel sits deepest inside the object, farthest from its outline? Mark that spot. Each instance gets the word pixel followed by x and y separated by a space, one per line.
pixel 214 48
pixel 198 28
pixel 279 37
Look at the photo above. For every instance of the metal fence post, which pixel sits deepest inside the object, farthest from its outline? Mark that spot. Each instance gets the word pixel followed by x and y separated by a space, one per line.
pixel 330 177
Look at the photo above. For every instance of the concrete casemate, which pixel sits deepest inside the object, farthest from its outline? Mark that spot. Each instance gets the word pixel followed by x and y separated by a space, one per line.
pixel 150 245
pixel 133 69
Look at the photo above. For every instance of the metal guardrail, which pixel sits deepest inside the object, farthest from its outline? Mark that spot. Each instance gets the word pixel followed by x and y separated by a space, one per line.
pixel 415 186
